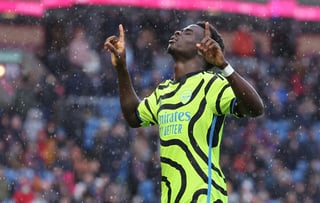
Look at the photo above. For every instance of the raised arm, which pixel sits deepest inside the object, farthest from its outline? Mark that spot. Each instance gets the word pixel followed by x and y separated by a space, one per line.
pixel 128 98
pixel 249 103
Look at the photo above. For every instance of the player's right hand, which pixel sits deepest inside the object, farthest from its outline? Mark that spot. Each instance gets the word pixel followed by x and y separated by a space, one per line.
pixel 116 46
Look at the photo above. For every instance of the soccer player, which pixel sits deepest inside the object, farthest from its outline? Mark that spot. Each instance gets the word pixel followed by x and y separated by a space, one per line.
pixel 190 110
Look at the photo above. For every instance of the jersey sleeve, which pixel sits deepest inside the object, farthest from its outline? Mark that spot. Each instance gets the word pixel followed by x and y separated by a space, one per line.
pixel 227 102
pixel 147 110
pixel 223 98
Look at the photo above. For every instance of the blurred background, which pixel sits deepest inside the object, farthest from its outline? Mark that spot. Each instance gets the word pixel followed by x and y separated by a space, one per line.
pixel 62 134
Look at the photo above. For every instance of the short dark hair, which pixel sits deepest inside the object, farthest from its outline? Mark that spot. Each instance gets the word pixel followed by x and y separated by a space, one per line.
pixel 214 34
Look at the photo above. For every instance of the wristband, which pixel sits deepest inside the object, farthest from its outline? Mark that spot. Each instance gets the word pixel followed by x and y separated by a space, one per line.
pixel 227 71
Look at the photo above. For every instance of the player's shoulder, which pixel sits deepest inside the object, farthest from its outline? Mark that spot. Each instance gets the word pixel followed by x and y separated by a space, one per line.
pixel 212 73
pixel 165 84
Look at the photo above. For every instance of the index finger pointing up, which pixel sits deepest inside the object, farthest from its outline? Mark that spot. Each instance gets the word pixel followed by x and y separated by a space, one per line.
pixel 207 32
pixel 121 33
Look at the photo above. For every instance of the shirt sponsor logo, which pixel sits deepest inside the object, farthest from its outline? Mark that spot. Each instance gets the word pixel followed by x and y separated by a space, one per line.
pixel 171 123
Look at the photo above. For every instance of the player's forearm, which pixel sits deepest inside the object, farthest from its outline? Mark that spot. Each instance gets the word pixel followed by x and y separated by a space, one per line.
pixel 248 100
pixel 129 100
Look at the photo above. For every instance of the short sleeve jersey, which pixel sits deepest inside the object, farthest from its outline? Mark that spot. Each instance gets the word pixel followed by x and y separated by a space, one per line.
pixel 190 114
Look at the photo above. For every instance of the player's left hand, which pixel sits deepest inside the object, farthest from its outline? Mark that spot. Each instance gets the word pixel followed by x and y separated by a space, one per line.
pixel 211 50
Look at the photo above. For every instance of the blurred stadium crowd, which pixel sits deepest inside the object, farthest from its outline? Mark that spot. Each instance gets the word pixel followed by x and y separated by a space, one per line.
pixel 63 138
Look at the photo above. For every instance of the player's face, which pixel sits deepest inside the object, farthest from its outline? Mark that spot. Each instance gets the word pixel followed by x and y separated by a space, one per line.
pixel 184 41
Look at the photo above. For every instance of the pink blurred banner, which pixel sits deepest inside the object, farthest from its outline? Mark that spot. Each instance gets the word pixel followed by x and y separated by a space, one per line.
pixel 273 8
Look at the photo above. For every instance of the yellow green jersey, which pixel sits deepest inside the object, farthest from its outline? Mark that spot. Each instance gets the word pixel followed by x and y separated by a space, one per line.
pixel 190 114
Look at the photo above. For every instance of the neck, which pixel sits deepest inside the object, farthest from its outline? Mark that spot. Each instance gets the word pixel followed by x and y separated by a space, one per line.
pixel 182 68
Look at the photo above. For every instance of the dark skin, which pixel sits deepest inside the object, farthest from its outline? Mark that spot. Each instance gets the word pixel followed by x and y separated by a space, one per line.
pixel 191 48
